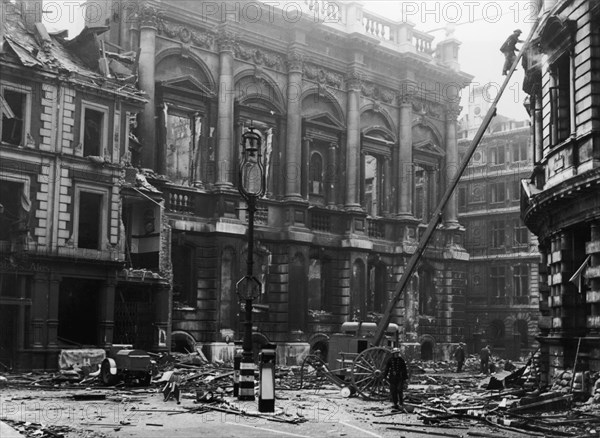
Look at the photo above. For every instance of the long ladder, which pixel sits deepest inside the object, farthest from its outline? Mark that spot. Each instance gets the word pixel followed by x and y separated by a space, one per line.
pixel 437 215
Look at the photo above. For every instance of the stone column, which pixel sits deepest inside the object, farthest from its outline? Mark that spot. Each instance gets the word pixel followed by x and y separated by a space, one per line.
pixel 225 145
pixel 293 149
pixel 405 158
pixel 387 185
pixel 148 22
pixel 361 179
pixel 451 211
pixel 353 142
pixel 305 171
pixel 331 175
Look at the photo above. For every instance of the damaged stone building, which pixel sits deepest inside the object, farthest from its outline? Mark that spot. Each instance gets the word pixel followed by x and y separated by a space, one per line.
pixel 69 215
pixel 359 117
pixel 560 202
pixel 502 273
pixel 121 219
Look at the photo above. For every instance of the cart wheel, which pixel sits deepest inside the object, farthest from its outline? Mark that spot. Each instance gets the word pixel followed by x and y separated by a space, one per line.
pixel 107 378
pixel 311 372
pixel 367 373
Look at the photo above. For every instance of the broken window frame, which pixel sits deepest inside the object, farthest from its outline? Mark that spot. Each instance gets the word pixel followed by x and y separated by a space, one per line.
pixel 21 217
pixel 194 152
pixel 561 98
pixel 498 238
pixel 103 143
pixel 26 120
pixel 103 219
pixel 497 192
pixel 498 284
pixel 521 284
pixel 315 174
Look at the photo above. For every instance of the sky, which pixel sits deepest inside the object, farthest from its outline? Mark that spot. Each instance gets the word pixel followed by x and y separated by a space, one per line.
pixel 481 26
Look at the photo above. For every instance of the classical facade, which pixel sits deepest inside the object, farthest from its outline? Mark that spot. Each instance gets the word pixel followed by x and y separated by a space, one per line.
pixel 502 273
pixel 560 203
pixel 64 242
pixel 359 117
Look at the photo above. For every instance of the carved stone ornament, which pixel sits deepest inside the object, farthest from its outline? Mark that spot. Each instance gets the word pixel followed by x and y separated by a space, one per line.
pixel 354 80
pixel 225 40
pixel 148 16
pixel 406 98
pixel 322 76
pixel 453 111
pixel 258 56
pixel 185 35
pixel 295 61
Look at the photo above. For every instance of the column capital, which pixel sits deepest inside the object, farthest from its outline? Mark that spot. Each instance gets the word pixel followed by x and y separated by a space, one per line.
pixel 354 79
pixel 452 112
pixel 148 16
pixel 406 98
pixel 295 60
pixel 333 145
pixel 225 39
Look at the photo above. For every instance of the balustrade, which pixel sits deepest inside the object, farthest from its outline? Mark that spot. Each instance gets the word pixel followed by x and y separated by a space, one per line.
pixel 180 201
pixel 320 221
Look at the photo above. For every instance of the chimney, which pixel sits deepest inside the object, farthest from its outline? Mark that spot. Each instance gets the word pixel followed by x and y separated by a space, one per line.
pixel 31 11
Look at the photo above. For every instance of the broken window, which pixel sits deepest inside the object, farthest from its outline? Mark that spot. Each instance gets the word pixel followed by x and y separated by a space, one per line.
pixel 521 284
pixel 14 108
pixel 498 155
pixel 93 132
pixel 498 284
pixel 498 192
pixel 519 151
pixel 462 198
pixel 560 99
pixel 315 184
pixel 183 133
pixel 521 233
pixel 89 220
pixel 14 210
pixel 78 311
pixel 498 236
pixel 426 181
pixel 373 184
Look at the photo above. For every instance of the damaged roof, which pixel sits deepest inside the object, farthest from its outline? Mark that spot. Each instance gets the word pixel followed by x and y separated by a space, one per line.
pixel 50 53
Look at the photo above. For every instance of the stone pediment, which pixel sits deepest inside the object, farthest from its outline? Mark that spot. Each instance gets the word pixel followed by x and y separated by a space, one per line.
pixel 429 147
pixel 188 84
pixel 325 120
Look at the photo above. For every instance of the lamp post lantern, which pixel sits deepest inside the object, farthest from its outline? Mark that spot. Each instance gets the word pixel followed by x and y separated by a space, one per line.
pixel 251 185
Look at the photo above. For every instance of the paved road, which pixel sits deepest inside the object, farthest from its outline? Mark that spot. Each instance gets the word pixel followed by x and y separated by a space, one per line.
pixel 143 414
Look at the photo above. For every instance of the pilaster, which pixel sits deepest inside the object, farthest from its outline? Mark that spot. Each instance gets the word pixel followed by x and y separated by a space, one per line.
pixel 405 158
pixel 148 25
pixel 451 212
pixel 293 150
pixel 225 164
pixel 353 141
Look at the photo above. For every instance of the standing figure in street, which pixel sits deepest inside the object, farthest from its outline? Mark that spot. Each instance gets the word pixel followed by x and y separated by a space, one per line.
pixel 485 355
pixel 459 355
pixel 508 49
pixel 395 371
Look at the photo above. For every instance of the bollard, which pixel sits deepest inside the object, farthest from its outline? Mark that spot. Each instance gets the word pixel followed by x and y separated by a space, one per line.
pixel 237 358
pixel 266 389
pixel 246 392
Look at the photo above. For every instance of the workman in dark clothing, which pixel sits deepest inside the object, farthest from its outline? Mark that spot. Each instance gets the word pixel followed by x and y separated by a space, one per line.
pixel 485 355
pixel 459 355
pixel 508 49
pixel 395 371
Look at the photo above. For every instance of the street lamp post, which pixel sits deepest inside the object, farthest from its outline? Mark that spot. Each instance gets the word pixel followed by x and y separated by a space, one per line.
pixel 251 185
